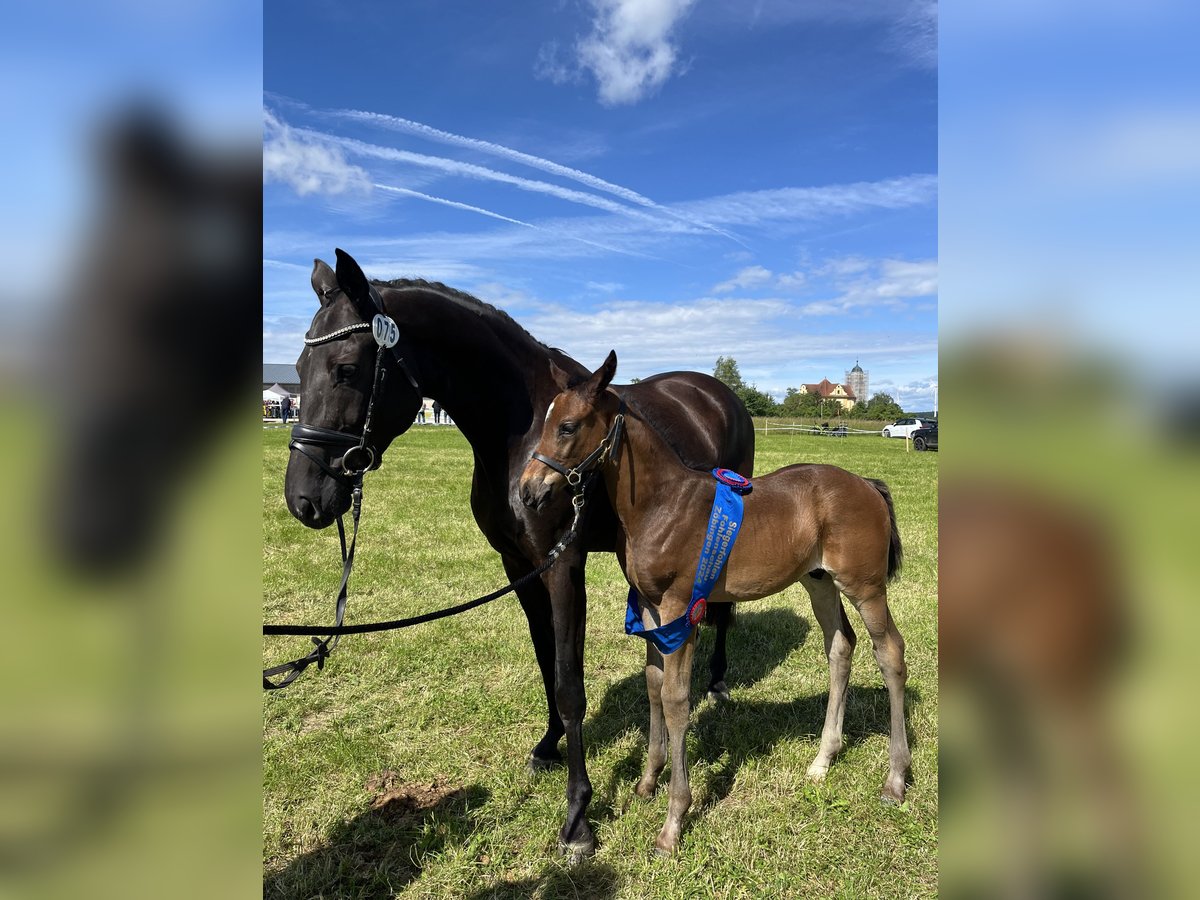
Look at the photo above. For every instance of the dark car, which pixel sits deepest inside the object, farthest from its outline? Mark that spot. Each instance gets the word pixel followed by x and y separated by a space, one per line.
pixel 925 438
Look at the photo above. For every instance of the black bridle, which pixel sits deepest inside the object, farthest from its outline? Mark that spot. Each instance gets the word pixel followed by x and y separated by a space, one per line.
pixel 610 446
pixel 359 455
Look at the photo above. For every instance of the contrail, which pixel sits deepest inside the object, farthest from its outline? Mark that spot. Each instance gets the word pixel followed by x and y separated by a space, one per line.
pixel 409 192
pixel 457 167
pixel 396 123
pixel 442 200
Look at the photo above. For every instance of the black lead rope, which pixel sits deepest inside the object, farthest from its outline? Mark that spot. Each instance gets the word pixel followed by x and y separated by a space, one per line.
pixel 326 638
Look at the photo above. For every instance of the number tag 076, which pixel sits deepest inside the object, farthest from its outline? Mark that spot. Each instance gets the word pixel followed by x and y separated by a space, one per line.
pixel 385 330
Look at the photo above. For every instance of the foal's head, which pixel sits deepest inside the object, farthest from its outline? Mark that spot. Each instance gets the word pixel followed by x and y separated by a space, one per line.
pixel 577 421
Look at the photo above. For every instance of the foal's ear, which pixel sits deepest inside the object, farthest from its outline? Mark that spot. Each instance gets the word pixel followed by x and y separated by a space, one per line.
pixel 604 375
pixel 324 282
pixel 350 278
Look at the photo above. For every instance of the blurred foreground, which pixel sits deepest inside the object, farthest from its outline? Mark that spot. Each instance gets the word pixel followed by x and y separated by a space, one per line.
pixel 1069 382
pixel 131 540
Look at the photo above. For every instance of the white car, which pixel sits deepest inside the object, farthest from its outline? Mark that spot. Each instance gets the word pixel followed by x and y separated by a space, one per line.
pixel 903 428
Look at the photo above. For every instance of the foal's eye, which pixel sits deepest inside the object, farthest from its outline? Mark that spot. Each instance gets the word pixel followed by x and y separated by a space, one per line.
pixel 345 373
pixel 566 429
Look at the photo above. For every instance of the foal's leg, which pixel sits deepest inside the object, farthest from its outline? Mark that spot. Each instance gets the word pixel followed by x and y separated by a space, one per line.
pixel 656 750
pixel 839 648
pixel 889 653
pixel 676 685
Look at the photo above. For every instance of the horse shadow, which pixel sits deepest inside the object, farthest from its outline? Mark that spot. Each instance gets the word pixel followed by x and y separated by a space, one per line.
pixel 728 734
pixel 588 879
pixel 378 852
pixel 758 645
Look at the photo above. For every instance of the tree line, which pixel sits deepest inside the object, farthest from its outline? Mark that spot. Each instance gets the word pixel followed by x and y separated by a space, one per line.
pixel 799 405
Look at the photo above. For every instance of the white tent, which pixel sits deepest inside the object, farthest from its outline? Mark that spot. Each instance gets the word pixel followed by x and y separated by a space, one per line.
pixel 275 392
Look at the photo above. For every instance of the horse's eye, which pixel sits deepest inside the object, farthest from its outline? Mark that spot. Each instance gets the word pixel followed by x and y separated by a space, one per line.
pixel 568 428
pixel 346 372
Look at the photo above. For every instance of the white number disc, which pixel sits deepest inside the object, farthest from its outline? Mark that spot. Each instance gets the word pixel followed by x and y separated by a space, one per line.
pixel 385 330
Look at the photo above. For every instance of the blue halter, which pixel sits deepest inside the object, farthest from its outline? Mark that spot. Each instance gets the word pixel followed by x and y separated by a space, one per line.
pixel 723 524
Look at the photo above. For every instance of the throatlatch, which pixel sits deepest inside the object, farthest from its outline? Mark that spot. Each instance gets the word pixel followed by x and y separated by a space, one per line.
pixel 723 524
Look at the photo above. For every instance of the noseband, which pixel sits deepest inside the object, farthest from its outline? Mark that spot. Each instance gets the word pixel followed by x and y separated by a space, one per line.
pixel 609 447
pixel 359 456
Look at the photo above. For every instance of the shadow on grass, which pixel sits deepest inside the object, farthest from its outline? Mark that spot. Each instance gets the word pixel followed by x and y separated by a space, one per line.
pixel 379 851
pixel 729 734
pixel 757 646
pixel 589 880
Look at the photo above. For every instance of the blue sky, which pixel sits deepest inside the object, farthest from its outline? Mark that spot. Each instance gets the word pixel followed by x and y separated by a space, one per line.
pixel 677 180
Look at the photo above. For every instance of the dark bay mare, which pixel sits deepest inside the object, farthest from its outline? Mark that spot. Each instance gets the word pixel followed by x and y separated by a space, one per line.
pixel 495 382
pixel 819 525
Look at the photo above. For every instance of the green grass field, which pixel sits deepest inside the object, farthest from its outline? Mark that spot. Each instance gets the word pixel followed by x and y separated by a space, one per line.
pixel 400 768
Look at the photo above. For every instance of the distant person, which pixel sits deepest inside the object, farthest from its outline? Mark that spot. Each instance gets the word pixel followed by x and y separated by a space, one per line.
pixel 421 415
pixel 285 409
pixel 437 413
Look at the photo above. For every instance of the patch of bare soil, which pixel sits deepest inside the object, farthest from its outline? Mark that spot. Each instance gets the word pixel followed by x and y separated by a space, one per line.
pixel 394 799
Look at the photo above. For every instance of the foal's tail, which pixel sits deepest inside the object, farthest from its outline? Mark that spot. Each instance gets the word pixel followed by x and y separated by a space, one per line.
pixel 895 549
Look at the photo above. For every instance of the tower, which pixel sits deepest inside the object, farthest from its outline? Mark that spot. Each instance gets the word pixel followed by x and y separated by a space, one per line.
pixel 859 382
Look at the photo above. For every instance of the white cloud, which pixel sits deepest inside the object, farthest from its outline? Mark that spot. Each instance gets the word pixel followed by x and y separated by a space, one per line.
pixel 309 166
pixel 770 338
pixel 629 51
pixel 751 276
pixel 887 283
pixel 758 276
pixel 791 204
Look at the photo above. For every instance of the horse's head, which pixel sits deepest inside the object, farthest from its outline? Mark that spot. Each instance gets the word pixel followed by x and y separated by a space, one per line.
pixel 577 435
pixel 337 379
pixel 148 359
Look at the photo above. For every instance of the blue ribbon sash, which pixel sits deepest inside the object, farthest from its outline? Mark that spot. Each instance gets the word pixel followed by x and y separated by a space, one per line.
pixel 723 525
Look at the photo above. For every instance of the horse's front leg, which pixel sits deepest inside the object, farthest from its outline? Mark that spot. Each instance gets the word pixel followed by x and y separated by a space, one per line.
pixel 535 602
pixel 656 749
pixel 676 685
pixel 569 600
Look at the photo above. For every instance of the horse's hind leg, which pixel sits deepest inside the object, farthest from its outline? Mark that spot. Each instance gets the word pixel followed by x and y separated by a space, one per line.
pixel 656 750
pixel 889 653
pixel 719 615
pixel 839 648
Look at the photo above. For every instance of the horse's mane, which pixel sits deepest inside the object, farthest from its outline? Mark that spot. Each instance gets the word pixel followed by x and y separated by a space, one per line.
pixel 462 299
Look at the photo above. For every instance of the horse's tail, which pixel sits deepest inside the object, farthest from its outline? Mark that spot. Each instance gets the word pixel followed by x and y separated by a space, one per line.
pixel 895 548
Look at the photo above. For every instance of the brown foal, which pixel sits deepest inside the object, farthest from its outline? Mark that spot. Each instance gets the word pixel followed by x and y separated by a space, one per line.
pixel 819 525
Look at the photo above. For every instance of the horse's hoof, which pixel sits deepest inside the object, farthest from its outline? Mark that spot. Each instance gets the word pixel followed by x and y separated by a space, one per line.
pixel 576 852
pixel 644 790
pixel 538 764
pixel 817 773
pixel 663 850
pixel 718 692
pixel 891 796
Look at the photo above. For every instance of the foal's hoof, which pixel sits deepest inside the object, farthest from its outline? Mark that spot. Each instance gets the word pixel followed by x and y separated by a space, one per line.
pixel 718 692
pixel 577 852
pixel 664 849
pixel 817 772
pixel 892 795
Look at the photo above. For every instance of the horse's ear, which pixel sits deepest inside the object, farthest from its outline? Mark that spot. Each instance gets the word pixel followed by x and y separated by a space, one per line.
pixel 560 376
pixel 324 282
pixel 603 376
pixel 351 279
